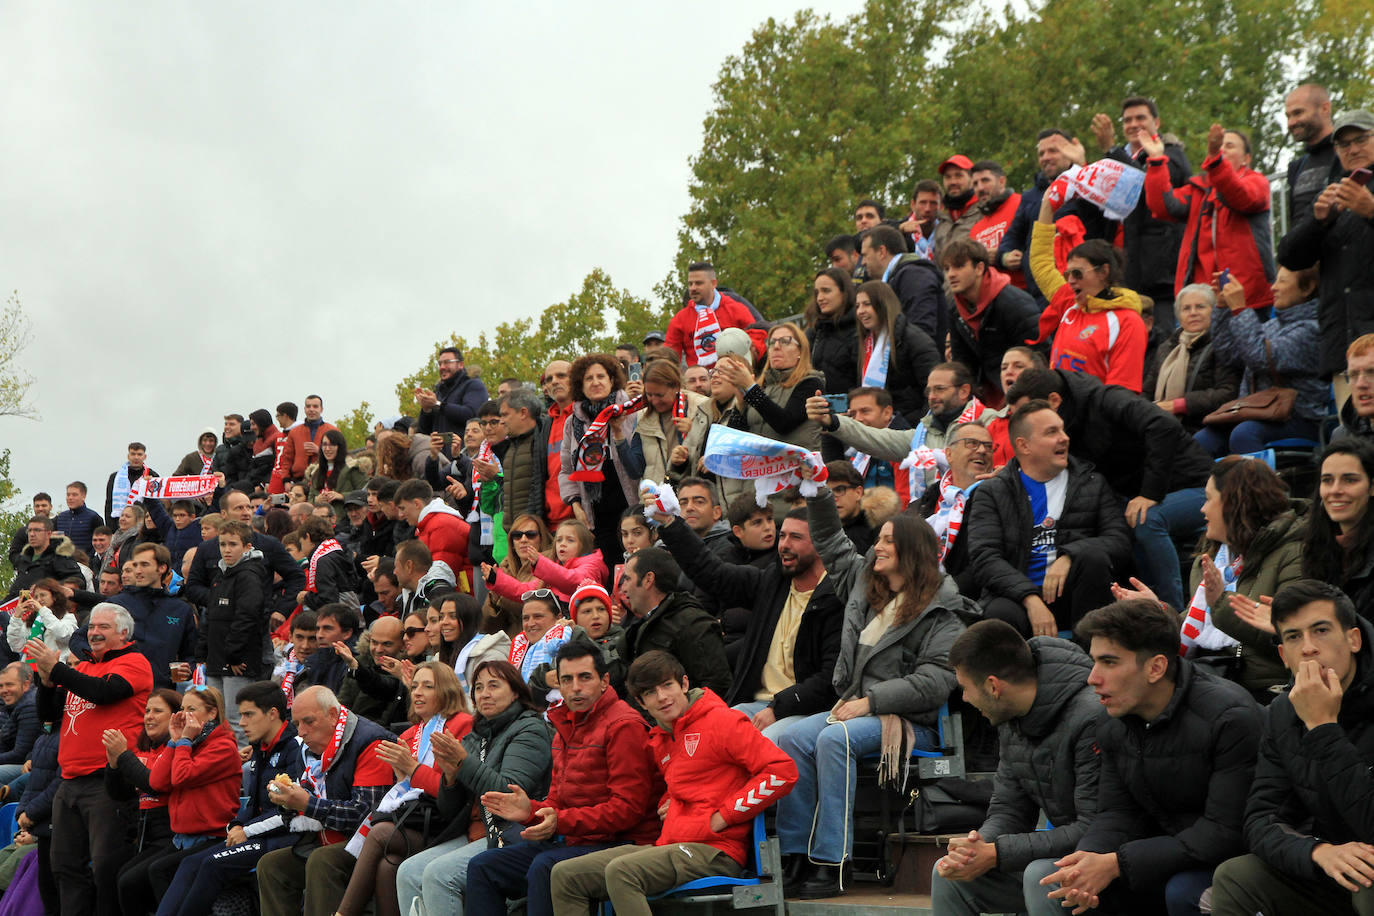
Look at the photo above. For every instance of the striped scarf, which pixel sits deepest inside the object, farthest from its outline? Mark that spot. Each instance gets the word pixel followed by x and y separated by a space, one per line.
pixel 949 513
pixel 591 448
pixel 1199 632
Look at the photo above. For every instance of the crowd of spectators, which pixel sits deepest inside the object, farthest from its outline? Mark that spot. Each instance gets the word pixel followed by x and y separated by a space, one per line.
pixel 539 645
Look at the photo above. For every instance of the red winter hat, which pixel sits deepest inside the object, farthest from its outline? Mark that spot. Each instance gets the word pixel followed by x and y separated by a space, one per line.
pixel 589 590
pixel 958 161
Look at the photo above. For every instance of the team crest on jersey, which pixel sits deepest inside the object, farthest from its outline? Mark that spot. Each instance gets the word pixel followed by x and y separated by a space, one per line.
pixel 1087 332
pixel 690 742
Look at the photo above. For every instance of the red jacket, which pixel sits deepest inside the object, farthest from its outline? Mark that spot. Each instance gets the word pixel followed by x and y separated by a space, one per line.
pixel 201 783
pixel 990 229
pixel 605 786
pixel 444 532
pixel 555 510
pixel 716 760
pixel 293 459
pixel 426 778
pixel 1227 217
pixel 81 751
pixel 682 329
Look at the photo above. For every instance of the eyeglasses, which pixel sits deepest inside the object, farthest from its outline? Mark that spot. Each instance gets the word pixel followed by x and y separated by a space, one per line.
pixel 1356 140
pixel 530 533
pixel 783 342
pixel 448 362
pixel 1358 375
pixel 973 445
pixel 490 421
pixel 938 389
pixel 840 489
pixel 412 632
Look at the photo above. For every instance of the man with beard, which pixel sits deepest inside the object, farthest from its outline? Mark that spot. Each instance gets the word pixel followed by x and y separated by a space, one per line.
pixel 996 207
pixel 925 217
pixel 959 201
pixel 558 390
pixel 783 666
pixel 1308 109
pixel 449 405
pixel 1055 150
pixel 693 330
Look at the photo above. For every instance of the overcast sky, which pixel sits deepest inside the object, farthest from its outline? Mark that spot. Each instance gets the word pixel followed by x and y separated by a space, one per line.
pixel 214 208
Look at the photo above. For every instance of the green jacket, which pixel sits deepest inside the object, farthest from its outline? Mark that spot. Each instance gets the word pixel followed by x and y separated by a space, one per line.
pixel 350 478
pixel 681 627
pixel 518 749
pixel 1273 560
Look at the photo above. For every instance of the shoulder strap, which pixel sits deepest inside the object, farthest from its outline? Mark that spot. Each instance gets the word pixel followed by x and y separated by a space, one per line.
pixel 1279 380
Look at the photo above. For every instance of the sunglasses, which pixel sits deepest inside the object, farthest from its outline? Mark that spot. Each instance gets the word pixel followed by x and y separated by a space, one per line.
pixel 543 593
pixel 1076 274
pixel 528 533
pixel 412 632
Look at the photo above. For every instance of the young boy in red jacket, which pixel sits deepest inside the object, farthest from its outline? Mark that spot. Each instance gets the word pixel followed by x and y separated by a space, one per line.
pixel 720 772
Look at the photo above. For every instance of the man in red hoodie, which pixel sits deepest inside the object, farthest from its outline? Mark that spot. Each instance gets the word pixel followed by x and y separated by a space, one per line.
pixel 89 828
pixel 440 527
pixel 989 315
pixel 720 773
pixel 605 791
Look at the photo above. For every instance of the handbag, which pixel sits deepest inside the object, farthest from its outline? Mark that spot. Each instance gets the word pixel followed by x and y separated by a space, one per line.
pixel 1272 405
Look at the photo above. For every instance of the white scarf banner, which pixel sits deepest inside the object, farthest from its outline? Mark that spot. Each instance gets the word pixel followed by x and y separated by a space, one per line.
pixel 1114 186
pixel 770 464
pixel 190 486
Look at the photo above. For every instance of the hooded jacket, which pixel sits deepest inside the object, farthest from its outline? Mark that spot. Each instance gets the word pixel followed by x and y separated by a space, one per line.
pixel 234 627
pixel 444 532
pixel 980 332
pixel 1172 791
pixel 1000 528
pixel 1315 786
pixel 53 563
pixel 713 760
pixel 605 784
pixel 1049 760
pixel 279 563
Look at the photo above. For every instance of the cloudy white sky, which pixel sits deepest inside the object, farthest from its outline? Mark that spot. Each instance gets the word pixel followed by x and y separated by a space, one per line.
pixel 210 208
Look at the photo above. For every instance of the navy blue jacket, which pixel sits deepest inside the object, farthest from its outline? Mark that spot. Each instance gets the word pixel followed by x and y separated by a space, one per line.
pixel 206 565
pixel 459 400
pixel 164 630
pixel 78 524
pixel 176 540
pixel 266 763
pixel 44 778
pixel 19 728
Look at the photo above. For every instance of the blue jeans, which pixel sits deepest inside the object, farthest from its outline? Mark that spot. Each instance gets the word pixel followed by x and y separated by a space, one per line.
pixel 774 731
pixel 1177 518
pixel 512 872
pixel 815 818
pixel 1253 435
pixel 438 875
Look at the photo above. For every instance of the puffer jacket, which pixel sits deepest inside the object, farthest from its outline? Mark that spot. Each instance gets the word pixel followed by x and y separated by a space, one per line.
pixel 832 352
pixel 234 627
pixel 655 438
pixel 510 747
pixel 914 354
pixel 681 627
pixel 54 563
pixel 907 672
pixel 1290 340
pixel 234 459
pixel 1048 760
pixel 1342 244
pixel 1273 560
pixel 1172 791
pixel 1212 381
pixel 522 474
pixel 606 785
pixel 1315 786
pixel 1000 527
pixel 44 778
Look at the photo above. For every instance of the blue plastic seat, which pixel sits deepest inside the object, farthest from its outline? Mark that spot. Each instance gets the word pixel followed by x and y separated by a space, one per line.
pixel 9 823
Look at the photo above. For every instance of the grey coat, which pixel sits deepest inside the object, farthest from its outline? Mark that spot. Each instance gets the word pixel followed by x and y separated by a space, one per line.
pixel 1048 760
pixel 908 671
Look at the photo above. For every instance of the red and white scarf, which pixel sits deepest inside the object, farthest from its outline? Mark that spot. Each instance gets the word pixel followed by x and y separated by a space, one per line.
pixel 188 486
pixel 403 791
pixel 591 448
pixel 288 678
pixel 205 462
pixel 327 546
pixel 704 335
pixel 1199 632
pixel 312 777
pixel 949 513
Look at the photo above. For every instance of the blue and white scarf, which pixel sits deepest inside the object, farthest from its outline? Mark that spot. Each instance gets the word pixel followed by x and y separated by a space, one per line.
pixel 403 791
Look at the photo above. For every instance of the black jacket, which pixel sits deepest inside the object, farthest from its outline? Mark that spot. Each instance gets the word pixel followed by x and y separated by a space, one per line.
pixel 833 352
pixel 919 286
pixel 1173 791
pixel 681 627
pixel 233 628
pixel 1315 786
pixel 206 563
pixel 373 694
pixel 999 526
pixel 1048 760
pixel 1344 244
pixel 914 354
pixel 1011 319
pixel 765 588
pixel 54 563
pixel 1140 449
pixel 1309 174
pixel 1210 384
pixel 460 397
pixel 234 459
pixel 1152 245
pixel 334 576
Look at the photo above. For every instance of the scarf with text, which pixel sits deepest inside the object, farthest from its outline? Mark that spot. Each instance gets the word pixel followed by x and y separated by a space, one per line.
pixel 122 493
pixel 770 464
pixel 327 546
pixel 1199 632
pixel 591 448
pixel 403 791
pixel 877 356
pixel 704 335
pixel 188 486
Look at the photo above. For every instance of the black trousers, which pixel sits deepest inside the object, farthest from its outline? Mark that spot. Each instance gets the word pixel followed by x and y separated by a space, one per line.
pixel 1087 587
pixel 88 826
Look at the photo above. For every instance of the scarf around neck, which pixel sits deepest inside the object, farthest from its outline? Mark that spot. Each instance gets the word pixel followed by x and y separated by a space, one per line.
pixel 591 444
pixel 1173 372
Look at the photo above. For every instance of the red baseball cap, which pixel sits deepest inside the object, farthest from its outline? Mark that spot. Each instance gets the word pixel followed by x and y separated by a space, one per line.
pixel 958 161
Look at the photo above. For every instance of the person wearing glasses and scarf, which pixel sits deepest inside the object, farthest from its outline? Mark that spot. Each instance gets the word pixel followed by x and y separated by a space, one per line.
pixel 1095 323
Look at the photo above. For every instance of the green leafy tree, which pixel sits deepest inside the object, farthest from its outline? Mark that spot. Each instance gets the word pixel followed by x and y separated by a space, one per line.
pixel 15 383
pixel 356 425
pixel 13 515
